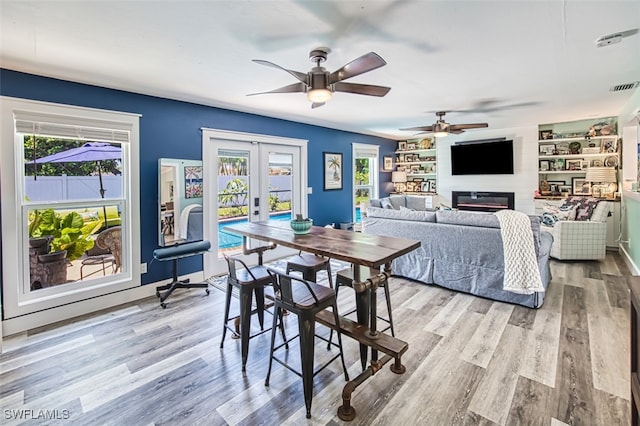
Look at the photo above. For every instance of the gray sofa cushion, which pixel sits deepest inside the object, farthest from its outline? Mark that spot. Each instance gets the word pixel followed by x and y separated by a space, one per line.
pixel 416 202
pixel 422 216
pixel 397 201
pixel 456 217
pixel 375 203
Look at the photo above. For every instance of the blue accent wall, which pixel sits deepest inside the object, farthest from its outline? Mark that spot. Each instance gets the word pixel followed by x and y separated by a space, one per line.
pixel 171 129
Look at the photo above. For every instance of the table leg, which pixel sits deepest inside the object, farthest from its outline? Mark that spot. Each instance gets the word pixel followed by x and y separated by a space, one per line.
pixel 362 311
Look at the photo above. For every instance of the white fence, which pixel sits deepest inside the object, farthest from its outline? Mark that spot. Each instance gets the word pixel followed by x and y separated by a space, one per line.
pixel 53 188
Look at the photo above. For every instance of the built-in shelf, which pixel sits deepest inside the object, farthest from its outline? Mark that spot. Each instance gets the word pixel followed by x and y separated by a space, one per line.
pixel 417 158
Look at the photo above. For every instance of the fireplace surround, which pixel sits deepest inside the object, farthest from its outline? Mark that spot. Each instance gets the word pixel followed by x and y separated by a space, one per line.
pixel 482 201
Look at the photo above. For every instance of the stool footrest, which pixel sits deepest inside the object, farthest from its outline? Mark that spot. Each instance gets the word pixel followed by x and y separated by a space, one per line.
pixel 383 343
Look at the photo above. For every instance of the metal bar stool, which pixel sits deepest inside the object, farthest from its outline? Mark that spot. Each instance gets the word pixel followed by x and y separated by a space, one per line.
pixel 248 280
pixel 309 264
pixel 304 299
pixel 344 277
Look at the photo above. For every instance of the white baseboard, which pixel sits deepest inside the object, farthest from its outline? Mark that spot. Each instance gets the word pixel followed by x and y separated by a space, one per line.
pixel 83 307
pixel 635 269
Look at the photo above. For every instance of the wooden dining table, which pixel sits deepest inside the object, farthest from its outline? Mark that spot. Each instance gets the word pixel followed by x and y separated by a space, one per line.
pixel 365 252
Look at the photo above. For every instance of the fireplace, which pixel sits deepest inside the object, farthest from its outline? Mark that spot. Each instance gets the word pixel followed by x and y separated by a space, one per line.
pixel 482 201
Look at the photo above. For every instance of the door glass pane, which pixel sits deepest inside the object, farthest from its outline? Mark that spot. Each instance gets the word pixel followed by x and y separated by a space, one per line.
pixel 280 185
pixel 233 196
pixel 364 184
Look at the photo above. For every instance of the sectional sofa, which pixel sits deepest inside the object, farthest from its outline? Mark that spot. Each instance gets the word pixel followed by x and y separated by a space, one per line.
pixel 459 250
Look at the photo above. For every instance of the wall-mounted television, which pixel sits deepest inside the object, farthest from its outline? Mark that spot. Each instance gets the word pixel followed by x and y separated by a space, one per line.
pixel 487 157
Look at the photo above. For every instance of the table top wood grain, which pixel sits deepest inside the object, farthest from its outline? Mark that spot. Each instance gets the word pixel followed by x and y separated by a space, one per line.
pixel 353 247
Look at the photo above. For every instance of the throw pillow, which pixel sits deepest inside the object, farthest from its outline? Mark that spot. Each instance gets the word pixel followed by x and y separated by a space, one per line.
pixel 385 203
pixel 585 206
pixel 551 214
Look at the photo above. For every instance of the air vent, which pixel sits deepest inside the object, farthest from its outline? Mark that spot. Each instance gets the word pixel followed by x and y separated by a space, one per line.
pixel 625 86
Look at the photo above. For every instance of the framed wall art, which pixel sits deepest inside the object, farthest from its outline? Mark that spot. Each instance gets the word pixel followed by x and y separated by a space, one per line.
pixel 387 164
pixel 332 165
pixel 193 182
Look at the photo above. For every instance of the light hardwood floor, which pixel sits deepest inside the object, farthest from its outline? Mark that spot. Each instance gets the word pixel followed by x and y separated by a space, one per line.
pixel 471 361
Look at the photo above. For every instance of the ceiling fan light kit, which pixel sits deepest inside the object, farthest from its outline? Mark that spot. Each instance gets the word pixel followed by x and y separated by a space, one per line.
pixel 319 95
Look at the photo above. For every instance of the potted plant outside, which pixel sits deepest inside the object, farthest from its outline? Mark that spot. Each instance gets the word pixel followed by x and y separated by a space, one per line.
pixel 65 233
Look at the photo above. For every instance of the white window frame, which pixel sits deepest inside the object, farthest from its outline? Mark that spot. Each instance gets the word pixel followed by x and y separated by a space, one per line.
pixel 361 150
pixel 14 237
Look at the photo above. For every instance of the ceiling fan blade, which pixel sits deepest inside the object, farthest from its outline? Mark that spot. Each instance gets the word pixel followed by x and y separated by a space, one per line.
pixel 420 129
pixel 361 89
pixel 317 104
pixel 292 88
pixel 467 126
pixel 365 63
pixel 297 74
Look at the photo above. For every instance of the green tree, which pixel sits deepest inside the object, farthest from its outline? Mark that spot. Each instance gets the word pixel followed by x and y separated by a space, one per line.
pixel 235 195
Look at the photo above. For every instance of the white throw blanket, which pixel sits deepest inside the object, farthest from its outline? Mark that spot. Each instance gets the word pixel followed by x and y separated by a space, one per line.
pixel 521 273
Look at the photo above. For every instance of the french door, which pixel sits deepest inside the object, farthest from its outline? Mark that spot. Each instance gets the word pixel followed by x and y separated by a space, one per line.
pixel 249 178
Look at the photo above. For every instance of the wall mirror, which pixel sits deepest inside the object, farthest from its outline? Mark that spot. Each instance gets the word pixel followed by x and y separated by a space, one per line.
pixel 179 201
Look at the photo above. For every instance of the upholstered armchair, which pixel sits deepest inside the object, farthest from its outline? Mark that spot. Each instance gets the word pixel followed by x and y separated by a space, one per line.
pixel 581 239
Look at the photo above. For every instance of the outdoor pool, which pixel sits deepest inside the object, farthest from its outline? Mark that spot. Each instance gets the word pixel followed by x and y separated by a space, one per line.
pixel 227 240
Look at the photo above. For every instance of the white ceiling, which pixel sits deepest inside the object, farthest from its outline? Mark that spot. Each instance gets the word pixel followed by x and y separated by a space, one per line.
pixel 441 55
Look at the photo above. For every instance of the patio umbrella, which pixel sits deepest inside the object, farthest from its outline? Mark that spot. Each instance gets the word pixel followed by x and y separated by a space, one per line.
pixel 90 151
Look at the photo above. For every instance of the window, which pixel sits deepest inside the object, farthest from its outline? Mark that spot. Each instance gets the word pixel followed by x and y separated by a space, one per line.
pixel 69 191
pixel 365 176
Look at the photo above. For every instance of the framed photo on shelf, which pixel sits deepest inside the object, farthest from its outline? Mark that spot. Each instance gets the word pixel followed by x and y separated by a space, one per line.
pixel 574 164
pixel 416 157
pixel 387 164
pixel 554 186
pixel 544 165
pixel 610 144
pixel 424 186
pixel 584 164
pixel 432 186
pixel 545 134
pixel 411 186
pixel 415 168
pixel 547 149
pixel 402 145
pixel 412 145
pixel 400 158
pixel 565 190
pixel 580 186
pixel 332 165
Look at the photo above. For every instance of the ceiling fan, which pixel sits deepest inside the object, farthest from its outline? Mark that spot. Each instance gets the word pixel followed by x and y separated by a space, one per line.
pixel 319 84
pixel 441 128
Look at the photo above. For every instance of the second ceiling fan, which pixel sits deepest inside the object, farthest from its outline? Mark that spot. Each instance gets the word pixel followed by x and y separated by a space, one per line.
pixel 319 84
pixel 441 128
